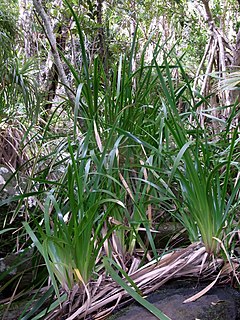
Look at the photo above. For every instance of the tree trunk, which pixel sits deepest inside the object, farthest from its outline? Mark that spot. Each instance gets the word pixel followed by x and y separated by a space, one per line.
pixel 25 22
pixel 52 77
pixel 53 43
pixel 101 36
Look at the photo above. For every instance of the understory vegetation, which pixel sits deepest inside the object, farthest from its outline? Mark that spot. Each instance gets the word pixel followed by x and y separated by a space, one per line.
pixel 124 149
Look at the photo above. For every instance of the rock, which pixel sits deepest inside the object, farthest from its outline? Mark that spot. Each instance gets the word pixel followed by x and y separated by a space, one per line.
pixel 10 188
pixel 12 184
pixel 13 267
pixel 220 303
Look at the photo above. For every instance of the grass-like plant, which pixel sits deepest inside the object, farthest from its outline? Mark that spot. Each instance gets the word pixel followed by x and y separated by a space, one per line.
pixel 204 169
pixel 74 213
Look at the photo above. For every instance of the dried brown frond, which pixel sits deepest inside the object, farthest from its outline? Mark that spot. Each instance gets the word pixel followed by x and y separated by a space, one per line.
pixel 12 155
pixel 192 261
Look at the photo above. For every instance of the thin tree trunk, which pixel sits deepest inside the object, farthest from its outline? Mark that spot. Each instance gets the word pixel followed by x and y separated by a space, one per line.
pixel 132 32
pixel 52 77
pixel 101 36
pixel 53 43
pixel 222 44
pixel 26 22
